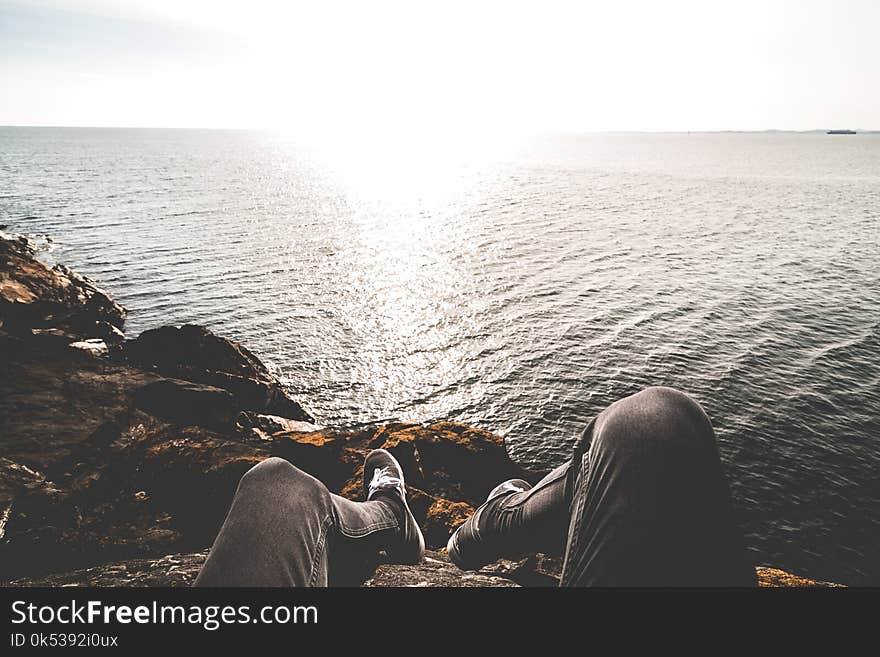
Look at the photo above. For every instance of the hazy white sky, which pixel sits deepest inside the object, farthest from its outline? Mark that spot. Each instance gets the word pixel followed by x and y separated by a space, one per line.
pixel 451 66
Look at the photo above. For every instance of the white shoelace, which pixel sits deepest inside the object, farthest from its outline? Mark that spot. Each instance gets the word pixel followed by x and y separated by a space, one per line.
pixel 383 479
pixel 508 487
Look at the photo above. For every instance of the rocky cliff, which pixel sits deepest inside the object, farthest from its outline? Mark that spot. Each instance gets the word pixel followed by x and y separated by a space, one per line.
pixel 119 458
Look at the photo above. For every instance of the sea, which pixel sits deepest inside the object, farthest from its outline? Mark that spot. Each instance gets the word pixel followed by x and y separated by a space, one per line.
pixel 520 285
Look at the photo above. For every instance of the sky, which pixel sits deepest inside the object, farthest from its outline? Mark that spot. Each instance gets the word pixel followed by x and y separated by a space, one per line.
pixel 445 67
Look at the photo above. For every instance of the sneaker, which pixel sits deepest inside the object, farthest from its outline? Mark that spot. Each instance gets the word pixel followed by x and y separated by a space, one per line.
pixel 383 480
pixel 467 549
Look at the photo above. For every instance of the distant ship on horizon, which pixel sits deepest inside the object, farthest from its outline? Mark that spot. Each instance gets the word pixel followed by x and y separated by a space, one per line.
pixel 841 132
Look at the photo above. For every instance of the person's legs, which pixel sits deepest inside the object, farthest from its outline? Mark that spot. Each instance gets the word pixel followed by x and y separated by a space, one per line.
pixel 650 505
pixel 516 519
pixel 642 501
pixel 284 528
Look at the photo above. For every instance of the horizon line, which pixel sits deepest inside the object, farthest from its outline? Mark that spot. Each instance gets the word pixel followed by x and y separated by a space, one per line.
pixel 526 134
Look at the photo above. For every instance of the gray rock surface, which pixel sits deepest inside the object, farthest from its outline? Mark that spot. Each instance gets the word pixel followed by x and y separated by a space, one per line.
pixel 435 570
pixel 171 570
pixel 181 570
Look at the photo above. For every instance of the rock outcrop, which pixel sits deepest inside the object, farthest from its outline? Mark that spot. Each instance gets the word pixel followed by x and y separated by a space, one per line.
pixel 143 486
pixel 36 297
pixel 119 454
pixel 193 353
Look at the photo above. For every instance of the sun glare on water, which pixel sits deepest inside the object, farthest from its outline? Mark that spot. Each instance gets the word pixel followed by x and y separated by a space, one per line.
pixel 410 202
pixel 407 169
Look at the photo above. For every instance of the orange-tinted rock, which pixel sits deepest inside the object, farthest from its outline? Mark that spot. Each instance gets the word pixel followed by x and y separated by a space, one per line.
pixel 442 518
pixel 322 454
pixel 177 452
pixel 193 476
pixel 419 502
pixel 353 489
pixel 149 493
pixel 383 432
pixel 464 462
pixel 772 577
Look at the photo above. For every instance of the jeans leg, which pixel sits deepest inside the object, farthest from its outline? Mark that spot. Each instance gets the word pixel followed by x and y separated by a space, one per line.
pixel 650 504
pixel 361 531
pixel 284 528
pixel 512 523
pixel 534 520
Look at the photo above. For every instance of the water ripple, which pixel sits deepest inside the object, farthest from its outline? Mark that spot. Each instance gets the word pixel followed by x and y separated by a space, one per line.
pixel 522 293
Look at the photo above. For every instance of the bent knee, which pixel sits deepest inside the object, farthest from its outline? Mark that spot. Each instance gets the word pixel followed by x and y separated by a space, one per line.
pixel 272 468
pixel 669 402
pixel 276 474
pixel 658 412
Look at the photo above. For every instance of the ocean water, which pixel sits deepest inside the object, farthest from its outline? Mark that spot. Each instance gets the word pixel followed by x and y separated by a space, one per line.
pixel 519 286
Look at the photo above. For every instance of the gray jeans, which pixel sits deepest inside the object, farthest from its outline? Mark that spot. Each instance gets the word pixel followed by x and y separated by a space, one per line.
pixel 642 501
pixel 285 528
